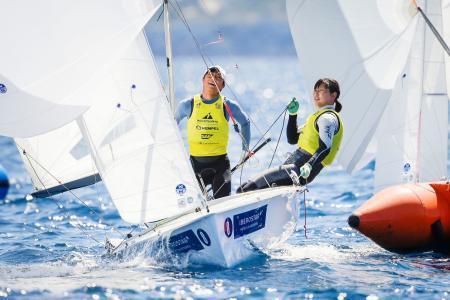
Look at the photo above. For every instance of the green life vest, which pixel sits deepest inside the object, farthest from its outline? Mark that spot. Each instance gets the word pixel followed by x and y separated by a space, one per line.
pixel 309 136
pixel 207 128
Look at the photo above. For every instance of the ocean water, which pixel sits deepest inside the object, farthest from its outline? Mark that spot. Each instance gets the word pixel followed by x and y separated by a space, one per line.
pixel 51 248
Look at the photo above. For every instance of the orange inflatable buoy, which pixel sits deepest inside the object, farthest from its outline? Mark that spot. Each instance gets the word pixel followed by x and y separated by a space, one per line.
pixel 407 218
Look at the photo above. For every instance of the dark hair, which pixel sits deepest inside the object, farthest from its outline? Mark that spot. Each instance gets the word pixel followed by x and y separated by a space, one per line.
pixel 215 69
pixel 333 86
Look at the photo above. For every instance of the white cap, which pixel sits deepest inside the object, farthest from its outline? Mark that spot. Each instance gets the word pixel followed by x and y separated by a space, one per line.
pixel 217 68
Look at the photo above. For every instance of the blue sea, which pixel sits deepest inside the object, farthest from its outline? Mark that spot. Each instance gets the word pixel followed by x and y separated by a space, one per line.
pixel 51 248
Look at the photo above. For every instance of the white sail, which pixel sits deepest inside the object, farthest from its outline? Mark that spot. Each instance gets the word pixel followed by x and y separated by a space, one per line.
pixel 53 54
pixel 58 161
pixel 136 143
pixel 362 44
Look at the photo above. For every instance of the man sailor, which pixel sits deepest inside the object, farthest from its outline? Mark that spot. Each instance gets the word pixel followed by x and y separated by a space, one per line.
pixel 208 114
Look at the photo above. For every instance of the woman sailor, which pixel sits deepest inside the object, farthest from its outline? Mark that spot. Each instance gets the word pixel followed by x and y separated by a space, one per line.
pixel 318 140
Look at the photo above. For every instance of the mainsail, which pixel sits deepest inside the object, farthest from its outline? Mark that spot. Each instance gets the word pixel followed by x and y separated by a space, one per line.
pixel 53 54
pixel 135 141
pixel 379 51
pixel 99 69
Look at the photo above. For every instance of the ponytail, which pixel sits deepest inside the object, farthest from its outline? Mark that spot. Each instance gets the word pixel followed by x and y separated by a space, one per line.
pixel 337 106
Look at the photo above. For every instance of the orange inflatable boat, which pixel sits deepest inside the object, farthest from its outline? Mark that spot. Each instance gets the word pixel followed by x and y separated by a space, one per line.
pixel 407 218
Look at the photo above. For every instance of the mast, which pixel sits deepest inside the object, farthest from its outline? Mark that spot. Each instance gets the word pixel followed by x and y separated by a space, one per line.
pixel 169 54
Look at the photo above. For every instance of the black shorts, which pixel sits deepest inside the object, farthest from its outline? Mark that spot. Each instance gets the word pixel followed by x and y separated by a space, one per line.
pixel 214 171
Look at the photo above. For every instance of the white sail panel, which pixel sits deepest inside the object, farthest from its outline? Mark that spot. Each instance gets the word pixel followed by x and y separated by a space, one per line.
pixel 353 42
pixel 54 52
pixel 413 132
pixel 59 158
pixel 136 143
pixel 433 132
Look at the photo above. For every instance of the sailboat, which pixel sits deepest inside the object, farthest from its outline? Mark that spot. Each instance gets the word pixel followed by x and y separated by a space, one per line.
pixel 394 71
pixel 88 105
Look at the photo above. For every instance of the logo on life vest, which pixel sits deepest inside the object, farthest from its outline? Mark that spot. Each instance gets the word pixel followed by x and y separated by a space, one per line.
pixel 208 117
pixel 180 189
pixel 198 127
pixel 228 227
pixel 3 88
pixel 206 136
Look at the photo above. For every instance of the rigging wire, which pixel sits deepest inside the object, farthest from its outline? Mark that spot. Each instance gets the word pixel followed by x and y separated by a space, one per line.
pixel 60 206
pixel 204 58
pixel 434 30
pixel 57 202
pixel 279 137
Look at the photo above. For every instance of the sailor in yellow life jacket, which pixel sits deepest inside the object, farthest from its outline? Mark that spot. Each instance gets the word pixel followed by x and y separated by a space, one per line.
pixel 207 126
pixel 318 140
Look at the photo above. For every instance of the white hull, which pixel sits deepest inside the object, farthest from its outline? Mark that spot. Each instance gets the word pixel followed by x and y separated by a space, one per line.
pixel 227 235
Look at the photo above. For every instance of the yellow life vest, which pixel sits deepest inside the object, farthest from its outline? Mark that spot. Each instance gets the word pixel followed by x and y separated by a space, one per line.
pixel 207 128
pixel 309 136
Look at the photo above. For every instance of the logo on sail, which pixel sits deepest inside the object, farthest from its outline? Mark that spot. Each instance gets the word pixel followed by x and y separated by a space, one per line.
pixel 3 88
pixel 206 136
pixel 180 189
pixel 406 167
pixel 208 117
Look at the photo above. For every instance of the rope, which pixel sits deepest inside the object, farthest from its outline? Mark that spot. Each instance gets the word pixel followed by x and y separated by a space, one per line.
pixel 279 137
pixel 256 147
pixel 304 206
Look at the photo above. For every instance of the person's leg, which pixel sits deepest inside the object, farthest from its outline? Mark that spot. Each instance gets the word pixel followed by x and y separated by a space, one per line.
pixel 204 172
pixel 298 157
pixel 222 178
pixel 197 170
pixel 277 176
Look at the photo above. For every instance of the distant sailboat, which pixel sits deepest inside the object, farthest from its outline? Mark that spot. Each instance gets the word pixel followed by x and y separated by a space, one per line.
pixel 115 120
pixel 395 78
